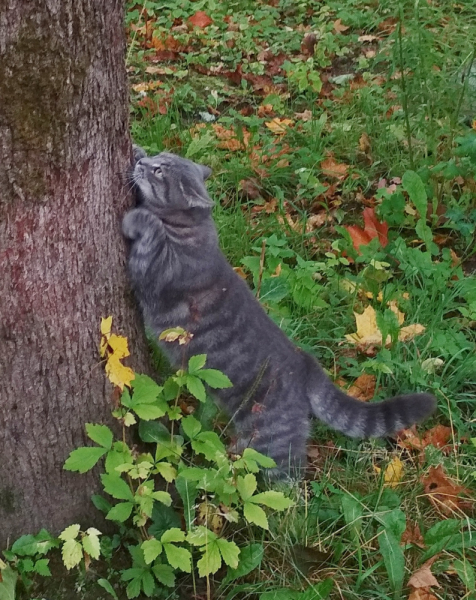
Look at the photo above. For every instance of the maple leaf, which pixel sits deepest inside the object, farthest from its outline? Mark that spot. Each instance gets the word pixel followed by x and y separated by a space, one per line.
pixel 200 19
pixel 373 228
pixel 279 126
pixel 368 334
pixel 331 168
pixel 437 436
pixel 393 473
pixel 445 494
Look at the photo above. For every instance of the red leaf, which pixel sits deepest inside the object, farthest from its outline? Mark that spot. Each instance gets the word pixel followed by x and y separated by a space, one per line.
pixel 200 19
pixel 372 229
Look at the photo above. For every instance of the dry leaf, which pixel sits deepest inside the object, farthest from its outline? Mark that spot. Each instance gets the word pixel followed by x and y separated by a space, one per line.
pixel 229 139
pixel 438 436
pixel 368 334
pixel 412 535
pixel 331 168
pixel 304 116
pixel 279 126
pixel 316 221
pixel 364 143
pixel 265 110
pixel 240 272
pixel 422 594
pixel 423 577
pixel 393 473
pixel 200 19
pixel 251 188
pixel 308 44
pixel 176 334
pixel 339 27
pixel 363 387
pixel 444 493
pixel 209 516
pixel 368 38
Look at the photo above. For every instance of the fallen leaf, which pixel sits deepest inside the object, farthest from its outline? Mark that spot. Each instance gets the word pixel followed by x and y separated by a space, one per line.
pixel 363 387
pixel 422 594
pixel 438 436
pixel 339 27
pixel 445 494
pixel 372 228
pixel 423 577
pixel 316 221
pixel 368 333
pixel 209 516
pixel 393 472
pixel 412 535
pixel 265 110
pixel 308 44
pixel 331 168
pixel 368 38
pixel 240 272
pixel 229 139
pixel 279 126
pixel 364 143
pixel 251 188
pixel 200 19
pixel 306 115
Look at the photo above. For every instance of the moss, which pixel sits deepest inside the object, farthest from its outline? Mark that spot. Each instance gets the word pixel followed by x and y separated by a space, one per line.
pixel 7 500
pixel 40 78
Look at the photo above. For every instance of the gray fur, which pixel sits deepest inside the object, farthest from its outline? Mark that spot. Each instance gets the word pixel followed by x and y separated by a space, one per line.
pixel 182 279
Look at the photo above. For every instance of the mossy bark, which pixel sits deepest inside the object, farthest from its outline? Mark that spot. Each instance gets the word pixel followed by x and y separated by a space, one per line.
pixel 64 144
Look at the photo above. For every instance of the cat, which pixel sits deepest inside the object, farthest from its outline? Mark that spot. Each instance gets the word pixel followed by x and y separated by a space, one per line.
pixel 182 279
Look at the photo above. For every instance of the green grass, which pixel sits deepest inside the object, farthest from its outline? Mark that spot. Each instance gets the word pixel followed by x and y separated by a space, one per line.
pixel 410 89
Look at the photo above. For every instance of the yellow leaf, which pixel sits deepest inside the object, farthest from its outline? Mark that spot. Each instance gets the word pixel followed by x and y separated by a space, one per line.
pixel 279 126
pixel 393 473
pixel 118 346
pixel 367 330
pixel 368 334
pixel 106 324
pixel 410 331
pixel 117 373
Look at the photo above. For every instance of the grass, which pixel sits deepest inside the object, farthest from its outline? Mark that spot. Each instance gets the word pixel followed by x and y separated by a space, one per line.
pixel 387 92
pixel 303 134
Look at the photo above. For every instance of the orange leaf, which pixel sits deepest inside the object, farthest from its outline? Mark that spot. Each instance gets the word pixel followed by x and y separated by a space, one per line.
pixel 200 19
pixel 444 493
pixel 279 126
pixel 422 594
pixel 363 387
pixel 330 167
pixel 372 228
pixel 412 535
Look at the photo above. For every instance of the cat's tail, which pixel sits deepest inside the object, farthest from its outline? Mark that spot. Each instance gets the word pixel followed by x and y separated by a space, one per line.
pixel 362 419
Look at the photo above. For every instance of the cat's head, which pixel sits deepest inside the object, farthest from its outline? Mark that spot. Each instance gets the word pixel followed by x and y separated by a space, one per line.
pixel 171 182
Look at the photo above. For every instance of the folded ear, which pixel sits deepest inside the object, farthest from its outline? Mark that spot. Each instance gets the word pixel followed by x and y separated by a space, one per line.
pixel 206 171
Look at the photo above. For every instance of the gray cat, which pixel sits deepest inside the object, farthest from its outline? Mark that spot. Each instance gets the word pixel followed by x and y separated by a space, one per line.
pixel 182 279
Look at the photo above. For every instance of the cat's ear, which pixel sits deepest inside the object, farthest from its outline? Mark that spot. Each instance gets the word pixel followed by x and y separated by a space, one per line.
pixel 206 171
pixel 138 153
pixel 199 198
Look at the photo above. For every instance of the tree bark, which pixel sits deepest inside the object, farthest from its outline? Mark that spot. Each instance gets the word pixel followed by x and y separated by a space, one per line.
pixel 64 145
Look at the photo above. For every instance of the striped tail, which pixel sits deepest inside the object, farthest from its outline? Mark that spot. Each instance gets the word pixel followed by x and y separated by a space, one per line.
pixel 361 419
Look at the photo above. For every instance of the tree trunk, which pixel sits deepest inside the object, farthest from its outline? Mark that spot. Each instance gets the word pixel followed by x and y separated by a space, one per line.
pixel 64 144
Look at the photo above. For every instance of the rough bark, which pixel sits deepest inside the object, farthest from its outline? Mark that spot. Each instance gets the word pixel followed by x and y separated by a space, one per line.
pixel 64 144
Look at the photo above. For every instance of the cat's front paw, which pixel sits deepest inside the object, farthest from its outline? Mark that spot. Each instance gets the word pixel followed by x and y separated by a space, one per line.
pixel 138 153
pixel 133 224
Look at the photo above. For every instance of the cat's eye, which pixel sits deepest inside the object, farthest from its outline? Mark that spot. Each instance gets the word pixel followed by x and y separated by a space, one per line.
pixel 158 172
